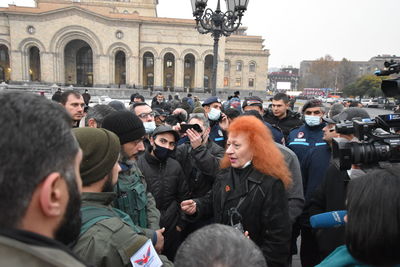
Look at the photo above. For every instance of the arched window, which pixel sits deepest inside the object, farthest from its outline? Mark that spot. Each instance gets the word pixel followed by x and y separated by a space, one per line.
pixel 227 65
pixel 169 71
pixel 4 64
pixel 78 63
pixel 148 70
pixel 34 64
pixel 189 71
pixel 120 68
pixel 84 66
pixel 239 66
pixel 252 67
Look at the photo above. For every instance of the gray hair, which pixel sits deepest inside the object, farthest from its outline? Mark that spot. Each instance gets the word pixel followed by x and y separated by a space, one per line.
pixel 98 113
pixel 200 117
pixel 218 245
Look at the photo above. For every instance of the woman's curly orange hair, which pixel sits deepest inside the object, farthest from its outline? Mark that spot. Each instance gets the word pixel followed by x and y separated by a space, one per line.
pixel 267 158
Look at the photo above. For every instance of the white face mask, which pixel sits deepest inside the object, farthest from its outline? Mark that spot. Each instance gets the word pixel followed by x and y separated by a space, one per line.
pixel 312 120
pixel 149 126
pixel 214 114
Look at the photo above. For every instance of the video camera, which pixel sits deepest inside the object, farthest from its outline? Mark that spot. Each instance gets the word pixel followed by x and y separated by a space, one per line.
pixel 390 87
pixel 377 142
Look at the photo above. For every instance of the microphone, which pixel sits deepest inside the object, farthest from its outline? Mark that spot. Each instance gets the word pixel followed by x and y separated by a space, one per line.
pixel 382 72
pixel 328 219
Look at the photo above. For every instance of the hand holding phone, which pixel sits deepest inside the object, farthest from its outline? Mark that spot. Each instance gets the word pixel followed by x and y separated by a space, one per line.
pixel 185 127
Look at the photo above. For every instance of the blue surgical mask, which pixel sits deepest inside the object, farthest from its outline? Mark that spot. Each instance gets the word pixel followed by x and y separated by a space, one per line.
pixel 214 114
pixel 149 126
pixel 312 120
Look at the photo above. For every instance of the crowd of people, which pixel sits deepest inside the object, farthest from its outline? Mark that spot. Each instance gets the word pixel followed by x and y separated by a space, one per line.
pixel 184 182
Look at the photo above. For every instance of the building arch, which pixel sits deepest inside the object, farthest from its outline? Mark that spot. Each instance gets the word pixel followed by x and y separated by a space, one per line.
pixel 5 70
pixel 189 71
pixel 112 52
pixel 169 50
pixel 252 66
pixel 27 43
pixel 148 49
pixel 68 34
pixel 148 69
pixel 25 47
pixel 190 51
pixel 239 65
pixel 115 47
pixel 169 70
pixel 209 52
pixel 6 43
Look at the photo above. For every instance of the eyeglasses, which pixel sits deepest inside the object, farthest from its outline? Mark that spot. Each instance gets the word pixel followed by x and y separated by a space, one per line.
pixel 145 115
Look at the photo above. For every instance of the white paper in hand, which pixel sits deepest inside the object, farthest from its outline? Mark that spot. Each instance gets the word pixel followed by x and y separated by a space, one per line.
pixel 146 256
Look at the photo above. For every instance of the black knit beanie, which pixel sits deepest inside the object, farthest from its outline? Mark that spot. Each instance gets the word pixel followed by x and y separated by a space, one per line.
pixel 100 150
pixel 126 125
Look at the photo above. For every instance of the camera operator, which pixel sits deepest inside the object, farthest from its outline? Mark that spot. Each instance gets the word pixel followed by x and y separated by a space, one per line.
pixel 331 193
pixel 372 229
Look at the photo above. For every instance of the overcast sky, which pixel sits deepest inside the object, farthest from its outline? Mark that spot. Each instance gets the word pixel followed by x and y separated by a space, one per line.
pixel 296 30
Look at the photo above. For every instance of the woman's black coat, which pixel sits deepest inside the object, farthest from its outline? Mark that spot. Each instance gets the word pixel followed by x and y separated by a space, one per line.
pixel 264 210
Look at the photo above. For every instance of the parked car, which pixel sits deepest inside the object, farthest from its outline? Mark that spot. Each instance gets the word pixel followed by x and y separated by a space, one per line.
pixel 365 102
pixel 373 103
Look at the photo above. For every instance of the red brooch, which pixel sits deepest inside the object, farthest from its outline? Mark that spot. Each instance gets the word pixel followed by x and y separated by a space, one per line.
pixel 227 188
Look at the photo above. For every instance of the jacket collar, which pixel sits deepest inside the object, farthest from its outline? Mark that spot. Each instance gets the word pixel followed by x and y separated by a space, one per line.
pixel 35 239
pixel 100 198
pixel 151 159
pixel 250 176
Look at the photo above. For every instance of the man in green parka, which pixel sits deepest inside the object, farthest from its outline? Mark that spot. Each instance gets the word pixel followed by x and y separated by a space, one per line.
pixel 108 236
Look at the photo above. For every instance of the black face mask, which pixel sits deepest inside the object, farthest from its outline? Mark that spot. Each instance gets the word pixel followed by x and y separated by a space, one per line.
pixel 162 153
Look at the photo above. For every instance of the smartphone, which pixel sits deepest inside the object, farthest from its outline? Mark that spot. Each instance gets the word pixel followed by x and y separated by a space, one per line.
pixel 185 127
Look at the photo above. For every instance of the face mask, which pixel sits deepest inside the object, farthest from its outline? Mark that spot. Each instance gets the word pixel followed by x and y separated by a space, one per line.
pixel 312 120
pixel 162 153
pixel 149 126
pixel 214 114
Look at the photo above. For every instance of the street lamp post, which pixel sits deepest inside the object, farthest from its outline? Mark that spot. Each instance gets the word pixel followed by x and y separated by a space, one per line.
pixel 218 23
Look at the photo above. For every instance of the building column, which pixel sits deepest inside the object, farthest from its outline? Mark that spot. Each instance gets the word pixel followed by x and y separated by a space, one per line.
pixel 135 77
pixel 199 77
pixel 16 65
pixel 47 67
pixel 158 74
pixel 178 79
pixel 101 70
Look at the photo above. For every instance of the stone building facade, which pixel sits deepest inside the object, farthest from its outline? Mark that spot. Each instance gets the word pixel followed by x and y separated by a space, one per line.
pixel 122 43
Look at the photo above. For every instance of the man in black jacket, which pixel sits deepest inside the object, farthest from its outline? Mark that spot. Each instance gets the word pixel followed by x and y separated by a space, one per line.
pixel 165 180
pixel 199 159
pixel 281 116
pixel 331 193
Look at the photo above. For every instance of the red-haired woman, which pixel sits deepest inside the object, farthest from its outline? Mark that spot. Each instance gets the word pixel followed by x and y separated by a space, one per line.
pixel 249 192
